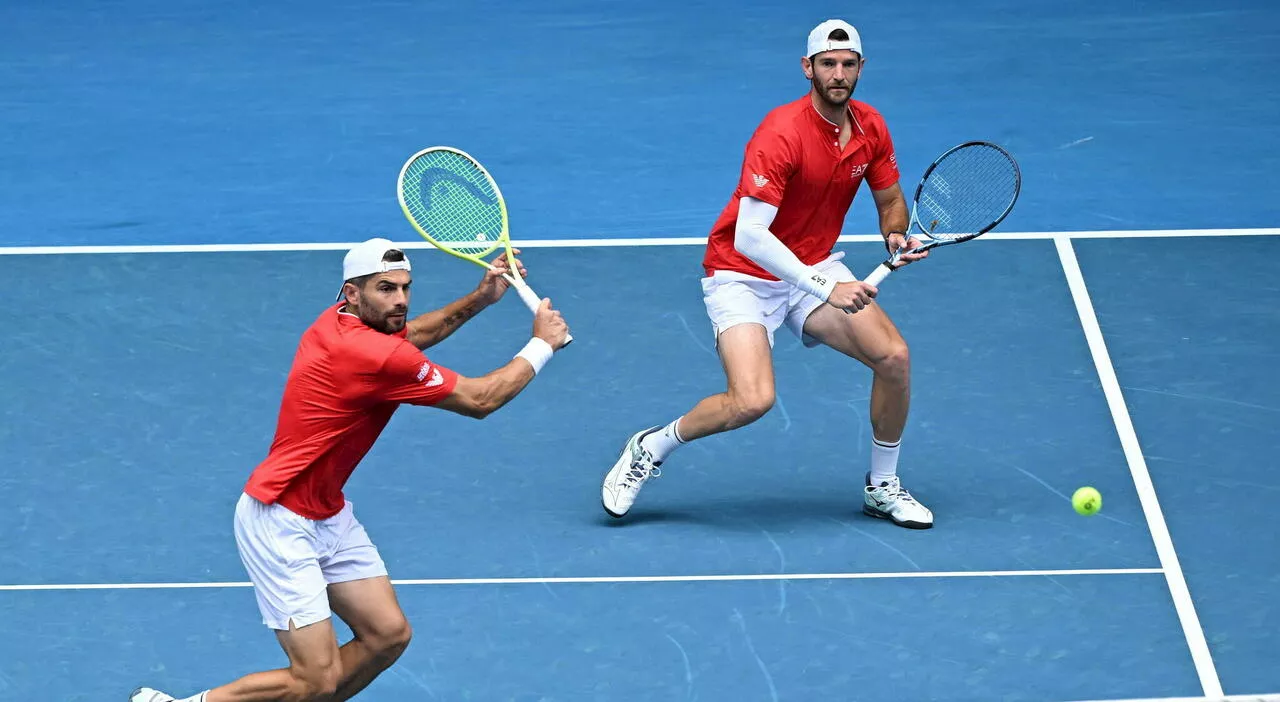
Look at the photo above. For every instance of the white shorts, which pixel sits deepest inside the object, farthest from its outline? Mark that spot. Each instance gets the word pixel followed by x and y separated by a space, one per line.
pixel 291 560
pixel 734 298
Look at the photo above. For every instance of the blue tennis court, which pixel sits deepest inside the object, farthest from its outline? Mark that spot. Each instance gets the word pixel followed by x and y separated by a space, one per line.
pixel 180 182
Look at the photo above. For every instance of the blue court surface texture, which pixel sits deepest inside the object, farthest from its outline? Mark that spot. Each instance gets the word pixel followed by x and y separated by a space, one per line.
pixel 178 183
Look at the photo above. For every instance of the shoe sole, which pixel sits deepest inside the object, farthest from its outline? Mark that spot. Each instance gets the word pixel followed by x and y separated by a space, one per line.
pixel 881 515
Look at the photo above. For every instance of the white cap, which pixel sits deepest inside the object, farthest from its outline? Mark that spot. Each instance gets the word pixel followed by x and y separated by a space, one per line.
pixel 818 41
pixel 366 258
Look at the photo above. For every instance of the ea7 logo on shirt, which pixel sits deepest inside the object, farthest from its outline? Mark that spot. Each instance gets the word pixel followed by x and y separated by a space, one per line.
pixel 427 369
pixel 759 180
pixel 859 170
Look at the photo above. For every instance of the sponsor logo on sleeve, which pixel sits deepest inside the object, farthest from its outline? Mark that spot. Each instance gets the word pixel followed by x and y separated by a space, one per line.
pixel 435 377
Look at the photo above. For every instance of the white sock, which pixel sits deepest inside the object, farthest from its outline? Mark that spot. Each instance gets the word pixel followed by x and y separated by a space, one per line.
pixel 662 442
pixel 195 698
pixel 884 460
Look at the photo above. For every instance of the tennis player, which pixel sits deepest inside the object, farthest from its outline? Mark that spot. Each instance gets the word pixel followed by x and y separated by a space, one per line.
pixel 305 551
pixel 769 263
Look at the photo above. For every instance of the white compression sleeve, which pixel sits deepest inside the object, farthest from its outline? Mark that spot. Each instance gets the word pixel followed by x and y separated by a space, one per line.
pixel 753 239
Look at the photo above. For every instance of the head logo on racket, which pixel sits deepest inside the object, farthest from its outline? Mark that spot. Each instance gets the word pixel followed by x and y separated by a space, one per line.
pixel 455 204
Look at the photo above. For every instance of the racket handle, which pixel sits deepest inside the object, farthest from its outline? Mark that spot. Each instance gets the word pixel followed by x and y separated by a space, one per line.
pixel 881 272
pixel 533 302
pixel 528 297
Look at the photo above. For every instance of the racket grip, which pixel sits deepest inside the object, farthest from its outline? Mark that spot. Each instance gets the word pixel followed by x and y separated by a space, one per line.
pixel 527 296
pixel 881 272
pixel 533 302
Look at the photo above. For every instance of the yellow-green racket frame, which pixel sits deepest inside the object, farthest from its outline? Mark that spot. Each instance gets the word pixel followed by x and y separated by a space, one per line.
pixel 530 299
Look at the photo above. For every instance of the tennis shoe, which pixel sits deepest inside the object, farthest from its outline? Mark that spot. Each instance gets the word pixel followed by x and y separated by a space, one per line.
pixel 632 470
pixel 889 500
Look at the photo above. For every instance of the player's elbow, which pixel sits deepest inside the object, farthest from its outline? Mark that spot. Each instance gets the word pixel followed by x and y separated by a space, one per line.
pixel 751 233
pixel 474 412
pixel 484 408
pixel 473 397
pixel 746 240
pixel 477 407
pixel 492 395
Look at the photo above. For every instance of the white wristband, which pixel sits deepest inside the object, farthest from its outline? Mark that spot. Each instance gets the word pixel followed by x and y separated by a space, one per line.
pixel 537 352
pixel 817 284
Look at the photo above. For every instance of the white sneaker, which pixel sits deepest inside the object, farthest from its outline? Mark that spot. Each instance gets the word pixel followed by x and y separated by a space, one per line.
pixel 634 466
pixel 146 694
pixel 890 500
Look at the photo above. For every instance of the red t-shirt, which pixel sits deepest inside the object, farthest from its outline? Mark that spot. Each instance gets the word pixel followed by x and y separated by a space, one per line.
pixel 795 163
pixel 346 381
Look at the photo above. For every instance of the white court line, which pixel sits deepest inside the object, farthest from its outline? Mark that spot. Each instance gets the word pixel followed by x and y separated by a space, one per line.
pixel 593 243
pixel 1141 476
pixel 1228 698
pixel 629 579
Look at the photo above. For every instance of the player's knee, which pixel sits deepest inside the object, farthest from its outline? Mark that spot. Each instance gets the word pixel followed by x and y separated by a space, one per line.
pixel 320 683
pixel 394 640
pixel 387 640
pixel 747 407
pixel 896 363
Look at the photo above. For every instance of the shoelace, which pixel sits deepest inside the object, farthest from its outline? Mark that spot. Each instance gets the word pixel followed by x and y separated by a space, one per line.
pixel 639 472
pixel 895 489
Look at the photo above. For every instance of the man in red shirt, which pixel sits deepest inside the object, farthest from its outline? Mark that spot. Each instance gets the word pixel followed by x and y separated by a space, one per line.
pixel 306 553
pixel 769 263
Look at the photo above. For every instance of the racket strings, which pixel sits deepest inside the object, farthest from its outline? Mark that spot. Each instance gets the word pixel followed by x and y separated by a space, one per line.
pixel 453 202
pixel 967 192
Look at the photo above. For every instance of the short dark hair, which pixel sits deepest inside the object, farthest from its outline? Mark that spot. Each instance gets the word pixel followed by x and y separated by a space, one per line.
pixel 391 256
pixel 838 35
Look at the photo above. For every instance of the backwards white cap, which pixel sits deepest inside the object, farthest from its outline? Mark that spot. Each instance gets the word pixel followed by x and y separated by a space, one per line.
pixel 366 258
pixel 818 41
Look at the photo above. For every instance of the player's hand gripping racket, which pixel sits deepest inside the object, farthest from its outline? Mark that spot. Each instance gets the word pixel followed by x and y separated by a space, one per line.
pixel 456 205
pixel 963 194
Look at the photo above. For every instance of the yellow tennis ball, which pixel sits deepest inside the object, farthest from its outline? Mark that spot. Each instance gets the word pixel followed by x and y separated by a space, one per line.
pixel 1087 501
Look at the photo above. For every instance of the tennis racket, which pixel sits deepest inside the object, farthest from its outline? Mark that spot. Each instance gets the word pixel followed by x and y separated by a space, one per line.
pixel 963 194
pixel 456 205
